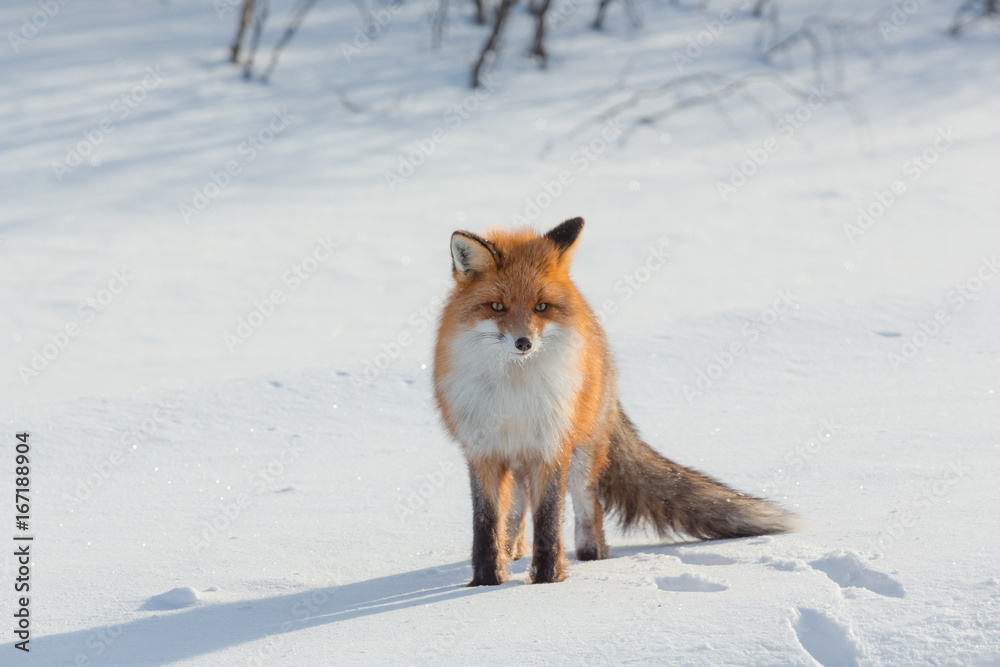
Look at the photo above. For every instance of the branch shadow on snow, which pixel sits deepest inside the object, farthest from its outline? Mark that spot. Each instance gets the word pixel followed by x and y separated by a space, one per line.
pixel 167 637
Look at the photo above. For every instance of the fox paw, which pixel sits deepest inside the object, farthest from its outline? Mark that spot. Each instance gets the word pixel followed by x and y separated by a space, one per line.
pixel 593 552
pixel 549 571
pixel 488 579
pixel 517 548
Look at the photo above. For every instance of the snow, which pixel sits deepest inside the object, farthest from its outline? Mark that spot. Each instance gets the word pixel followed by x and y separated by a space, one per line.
pixel 293 495
pixel 694 583
pixel 848 571
pixel 175 598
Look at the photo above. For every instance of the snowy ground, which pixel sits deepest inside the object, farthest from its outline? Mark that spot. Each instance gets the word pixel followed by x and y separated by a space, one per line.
pixel 291 479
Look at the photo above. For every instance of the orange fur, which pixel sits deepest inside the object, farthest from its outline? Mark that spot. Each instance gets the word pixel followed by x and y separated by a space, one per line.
pixel 525 382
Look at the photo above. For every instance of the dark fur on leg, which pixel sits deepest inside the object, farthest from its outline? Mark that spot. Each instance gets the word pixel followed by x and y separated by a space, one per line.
pixel 488 568
pixel 548 564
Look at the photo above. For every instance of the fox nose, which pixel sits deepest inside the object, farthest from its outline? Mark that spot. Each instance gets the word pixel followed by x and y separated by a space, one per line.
pixel 523 344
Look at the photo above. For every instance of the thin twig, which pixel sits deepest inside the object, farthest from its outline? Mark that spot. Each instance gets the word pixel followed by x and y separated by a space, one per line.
pixel 539 9
pixel 602 8
pixel 438 21
pixel 245 13
pixel 258 26
pixel 971 12
pixel 297 17
pixel 716 89
pixel 492 47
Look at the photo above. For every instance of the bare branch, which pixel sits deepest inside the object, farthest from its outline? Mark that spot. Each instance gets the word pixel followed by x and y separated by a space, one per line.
pixel 826 38
pixel 619 83
pixel 538 10
pixel 438 21
pixel 356 108
pixel 631 10
pixel 258 26
pixel 758 9
pixel 715 90
pixel 492 47
pixel 602 8
pixel 971 12
pixel 297 17
pixel 246 12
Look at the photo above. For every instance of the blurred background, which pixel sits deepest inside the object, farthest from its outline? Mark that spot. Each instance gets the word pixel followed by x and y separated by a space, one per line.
pixel 749 134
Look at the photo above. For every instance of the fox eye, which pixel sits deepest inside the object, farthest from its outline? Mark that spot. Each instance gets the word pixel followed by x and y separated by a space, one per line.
pixel 497 306
pixel 541 307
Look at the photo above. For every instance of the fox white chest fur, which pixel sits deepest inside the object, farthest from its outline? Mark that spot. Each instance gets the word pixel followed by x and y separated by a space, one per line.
pixel 525 382
pixel 508 406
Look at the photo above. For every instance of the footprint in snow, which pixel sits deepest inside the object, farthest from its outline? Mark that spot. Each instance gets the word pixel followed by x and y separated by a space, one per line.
pixel 783 564
pixel 705 559
pixel 830 642
pixel 847 571
pixel 178 598
pixel 689 583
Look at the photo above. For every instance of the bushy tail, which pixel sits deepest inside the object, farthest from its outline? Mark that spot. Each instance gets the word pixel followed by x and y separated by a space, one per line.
pixel 642 487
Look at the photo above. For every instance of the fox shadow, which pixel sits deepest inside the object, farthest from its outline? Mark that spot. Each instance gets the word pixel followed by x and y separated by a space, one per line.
pixel 166 637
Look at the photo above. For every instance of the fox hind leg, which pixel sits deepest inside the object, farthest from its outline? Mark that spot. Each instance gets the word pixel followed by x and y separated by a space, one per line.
pixel 587 512
pixel 517 518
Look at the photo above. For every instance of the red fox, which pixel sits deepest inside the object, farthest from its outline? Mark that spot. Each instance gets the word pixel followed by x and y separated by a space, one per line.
pixel 525 382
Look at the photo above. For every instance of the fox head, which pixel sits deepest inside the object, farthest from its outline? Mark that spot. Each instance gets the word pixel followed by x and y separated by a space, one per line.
pixel 513 288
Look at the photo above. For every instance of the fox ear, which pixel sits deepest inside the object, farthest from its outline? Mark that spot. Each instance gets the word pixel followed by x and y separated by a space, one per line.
pixel 565 235
pixel 470 253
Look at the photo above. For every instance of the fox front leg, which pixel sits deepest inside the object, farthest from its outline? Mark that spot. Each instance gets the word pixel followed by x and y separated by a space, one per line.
pixel 489 492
